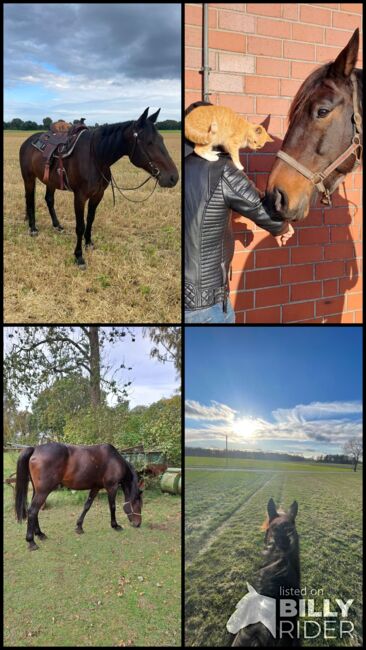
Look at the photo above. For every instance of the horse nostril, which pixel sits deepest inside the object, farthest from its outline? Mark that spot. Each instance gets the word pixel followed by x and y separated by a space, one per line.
pixel 280 199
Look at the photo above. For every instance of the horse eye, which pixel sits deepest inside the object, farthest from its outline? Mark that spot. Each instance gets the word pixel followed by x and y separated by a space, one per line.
pixel 323 112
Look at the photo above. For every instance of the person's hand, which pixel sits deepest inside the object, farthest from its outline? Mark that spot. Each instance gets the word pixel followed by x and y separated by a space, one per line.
pixel 282 239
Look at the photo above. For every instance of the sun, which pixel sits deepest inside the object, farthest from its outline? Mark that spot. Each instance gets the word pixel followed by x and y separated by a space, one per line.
pixel 244 427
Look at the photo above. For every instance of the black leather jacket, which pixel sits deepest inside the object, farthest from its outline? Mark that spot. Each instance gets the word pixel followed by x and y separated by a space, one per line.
pixel 212 190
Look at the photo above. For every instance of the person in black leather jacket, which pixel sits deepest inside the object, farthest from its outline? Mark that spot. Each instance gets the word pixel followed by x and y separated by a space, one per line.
pixel 212 191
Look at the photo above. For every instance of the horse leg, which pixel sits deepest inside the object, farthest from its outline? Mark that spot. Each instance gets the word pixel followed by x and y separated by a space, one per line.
pixel 37 530
pixel 79 204
pixel 30 188
pixel 112 506
pixel 92 206
pixel 79 524
pixel 50 200
pixel 32 525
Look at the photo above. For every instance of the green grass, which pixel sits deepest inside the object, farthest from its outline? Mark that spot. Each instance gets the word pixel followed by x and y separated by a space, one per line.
pixel 102 588
pixel 224 542
pixel 243 463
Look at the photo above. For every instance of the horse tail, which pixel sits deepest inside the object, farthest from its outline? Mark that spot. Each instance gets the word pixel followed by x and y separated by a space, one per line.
pixel 21 486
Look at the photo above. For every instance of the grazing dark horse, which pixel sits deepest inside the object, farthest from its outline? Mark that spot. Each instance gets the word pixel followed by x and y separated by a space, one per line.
pixel 324 139
pixel 79 467
pixel 88 169
pixel 281 572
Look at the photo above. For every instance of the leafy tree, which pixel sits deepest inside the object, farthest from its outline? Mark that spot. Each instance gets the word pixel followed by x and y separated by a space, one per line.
pixel 167 344
pixel 47 121
pixel 40 354
pixel 161 428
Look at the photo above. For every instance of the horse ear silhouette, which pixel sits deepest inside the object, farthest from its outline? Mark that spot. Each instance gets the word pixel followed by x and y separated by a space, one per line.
pixel 154 117
pixel 271 509
pixel 347 59
pixel 142 119
pixel 293 510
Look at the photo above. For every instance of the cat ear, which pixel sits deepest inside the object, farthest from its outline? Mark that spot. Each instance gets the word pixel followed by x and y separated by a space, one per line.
pixel 259 130
pixel 269 139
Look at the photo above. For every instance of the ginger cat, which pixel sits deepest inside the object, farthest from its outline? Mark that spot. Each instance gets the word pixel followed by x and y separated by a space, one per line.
pixel 60 126
pixel 207 126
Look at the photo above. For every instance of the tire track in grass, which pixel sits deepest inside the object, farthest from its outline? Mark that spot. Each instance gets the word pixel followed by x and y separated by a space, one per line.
pixel 214 534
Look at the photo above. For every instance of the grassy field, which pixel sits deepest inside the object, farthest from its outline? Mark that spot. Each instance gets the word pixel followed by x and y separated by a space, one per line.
pixel 244 463
pixel 132 275
pixel 223 542
pixel 103 588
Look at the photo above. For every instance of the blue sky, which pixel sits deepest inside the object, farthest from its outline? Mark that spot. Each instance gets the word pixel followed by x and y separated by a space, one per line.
pixel 105 62
pixel 293 389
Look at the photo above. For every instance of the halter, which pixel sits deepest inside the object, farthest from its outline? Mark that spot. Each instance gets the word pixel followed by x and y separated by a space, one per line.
pixel 355 149
pixel 132 511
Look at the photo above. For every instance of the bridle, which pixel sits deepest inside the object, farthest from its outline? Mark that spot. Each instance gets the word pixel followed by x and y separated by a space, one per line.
pixel 132 510
pixel 355 149
pixel 154 171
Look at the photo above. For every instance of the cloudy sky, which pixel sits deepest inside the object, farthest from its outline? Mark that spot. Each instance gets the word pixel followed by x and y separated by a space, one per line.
pixel 291 389
pixel 104 62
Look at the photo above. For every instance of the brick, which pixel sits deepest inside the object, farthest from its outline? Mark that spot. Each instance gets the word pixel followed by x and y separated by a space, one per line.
pixel 329 306
pixel 274 106
pixel 274 257
pixel 352 6
pixel 243 261
pixel 261 86
pixel 330 288
pixel 237 22
pixel 315 218
pixel 297 273
pixel 342 251
pixel 306 291
pixel 239 103
pixel 193 14
pixel 301 70
pixel 298 311
pixel 336 37
pixel 260 162
pixel 354 301
pixel 226 82
pixel 358 317
pixel 192 36
pixel 192 80
pixel 325 53
pixel 265 9
pixel 227 41
pixel 294 50
pixel 301 254
pixel 267 315
pixel 288 87
pixel 311 34
pixel 315 15
pixel 273 296
pixel 237 282
pixel 336 216
pixel 356 284
pixel 190 97
pixel 273 67
pixel 290 11
pixel 236 63
pixel 278 28
pixel 193 58
pixel 329 270
pixel 262 45
pixel 243 300
pixel 258 279
pixel 313 235
pixel 344 20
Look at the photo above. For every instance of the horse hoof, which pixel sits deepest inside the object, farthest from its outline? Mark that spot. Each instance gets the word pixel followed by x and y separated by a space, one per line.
pixel 81 263
pixel 117 527
pixel 90 245
pixel 33 233
pixel 58 228
pixel 33 546
pixel 41 536
pixel 79 531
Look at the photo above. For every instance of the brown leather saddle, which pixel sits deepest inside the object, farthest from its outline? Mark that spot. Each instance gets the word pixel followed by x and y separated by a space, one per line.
pixel 58 145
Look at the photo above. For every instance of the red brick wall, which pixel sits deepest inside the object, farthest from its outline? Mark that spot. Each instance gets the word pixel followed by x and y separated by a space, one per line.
pixel 259 55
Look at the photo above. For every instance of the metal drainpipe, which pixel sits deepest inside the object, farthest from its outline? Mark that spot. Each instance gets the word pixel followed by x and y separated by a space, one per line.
pixel 205 68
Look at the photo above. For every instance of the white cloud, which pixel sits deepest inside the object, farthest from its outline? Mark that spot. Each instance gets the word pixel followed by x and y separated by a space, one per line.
pixel 196 411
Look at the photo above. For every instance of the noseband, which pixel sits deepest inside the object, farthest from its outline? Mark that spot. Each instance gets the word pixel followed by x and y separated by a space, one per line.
pixel 132 510
pixel 355 149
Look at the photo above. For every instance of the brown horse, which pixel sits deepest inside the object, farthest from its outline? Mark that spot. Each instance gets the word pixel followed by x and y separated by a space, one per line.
pixel 93 468
pixel 280 576
pixel 88 170
pixel 323 141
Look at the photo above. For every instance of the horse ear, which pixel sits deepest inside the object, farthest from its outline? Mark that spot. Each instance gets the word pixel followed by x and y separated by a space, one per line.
pixel 293 510
pixel 142 119
pixel 347 59
pixel 271 509
pixel 154 117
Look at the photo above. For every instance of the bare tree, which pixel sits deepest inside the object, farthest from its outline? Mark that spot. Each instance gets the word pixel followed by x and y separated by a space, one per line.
pixel 353 448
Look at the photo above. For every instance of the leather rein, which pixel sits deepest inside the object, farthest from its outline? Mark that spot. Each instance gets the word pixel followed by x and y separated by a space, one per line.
pixel 355 149
pixel 154 173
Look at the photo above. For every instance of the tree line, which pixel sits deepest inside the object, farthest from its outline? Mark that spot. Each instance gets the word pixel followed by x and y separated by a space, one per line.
pixel 18 124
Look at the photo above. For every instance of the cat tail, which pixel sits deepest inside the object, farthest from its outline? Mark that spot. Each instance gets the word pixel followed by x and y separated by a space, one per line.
pixel 196 135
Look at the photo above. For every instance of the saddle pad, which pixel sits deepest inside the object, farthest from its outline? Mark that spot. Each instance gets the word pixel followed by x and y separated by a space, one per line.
pixel 63 149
